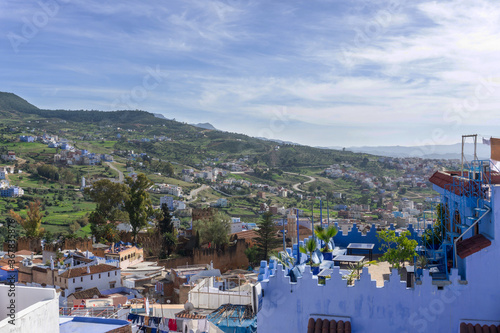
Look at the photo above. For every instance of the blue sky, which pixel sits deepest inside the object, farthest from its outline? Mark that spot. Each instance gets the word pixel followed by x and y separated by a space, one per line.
pixel 317 72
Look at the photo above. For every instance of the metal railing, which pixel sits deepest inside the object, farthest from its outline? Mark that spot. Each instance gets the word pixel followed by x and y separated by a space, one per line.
pixel 100 312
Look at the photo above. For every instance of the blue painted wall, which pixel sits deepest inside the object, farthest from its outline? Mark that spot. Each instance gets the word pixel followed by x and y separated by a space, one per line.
pixel 355 236
pixel 288 306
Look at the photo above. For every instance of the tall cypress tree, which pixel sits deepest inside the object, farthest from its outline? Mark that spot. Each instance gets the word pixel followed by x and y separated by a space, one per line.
pixel 267 240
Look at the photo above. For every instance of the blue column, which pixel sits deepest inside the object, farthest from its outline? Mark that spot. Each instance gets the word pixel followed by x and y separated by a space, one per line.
pixel 298 238
pixel 321 212
pixel 284 242
pixel 328 213
pixel 312 218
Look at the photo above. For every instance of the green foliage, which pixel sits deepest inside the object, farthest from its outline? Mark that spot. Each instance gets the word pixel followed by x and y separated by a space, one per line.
pixel 283 258
pixel 166 229
pixel 354 270
pixel 252 254
pixel 398 249
pixel 138 204
pixel 214 230
pixel 309 247
pixel 266 240
pixel 434 236
pixel 32 224
pixel 109 198
pixel 325 235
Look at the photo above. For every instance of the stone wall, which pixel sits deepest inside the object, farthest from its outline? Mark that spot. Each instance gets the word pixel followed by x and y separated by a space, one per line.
pixel 35 244
pixel 231 258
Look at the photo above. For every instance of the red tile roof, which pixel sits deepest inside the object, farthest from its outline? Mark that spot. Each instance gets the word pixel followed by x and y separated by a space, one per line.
pixel 451 181
pixel 23 253
pixel 472 245
pixel 445 180
pixel 325 326
pixel 82 271
pixel 469 328
pixel 87 293
pixel 187 315
pixel 248 234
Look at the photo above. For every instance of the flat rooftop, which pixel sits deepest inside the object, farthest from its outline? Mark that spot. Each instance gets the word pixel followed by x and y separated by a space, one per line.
pixel 89 324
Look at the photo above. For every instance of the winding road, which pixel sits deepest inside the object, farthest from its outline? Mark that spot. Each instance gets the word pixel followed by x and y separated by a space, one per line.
pixel 296 186
pixel 120 174
pixel 192 195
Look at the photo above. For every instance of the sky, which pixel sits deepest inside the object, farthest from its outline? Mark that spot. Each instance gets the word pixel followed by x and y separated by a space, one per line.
pixel 316 72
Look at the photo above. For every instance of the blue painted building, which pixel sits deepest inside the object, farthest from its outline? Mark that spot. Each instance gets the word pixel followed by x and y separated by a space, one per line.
pixel 7 274
pixel 27 138
pixel 11 192
pixel 458 287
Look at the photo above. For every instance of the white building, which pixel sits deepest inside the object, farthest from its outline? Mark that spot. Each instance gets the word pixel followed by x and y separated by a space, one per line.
pixel 101 276
pixel 36 310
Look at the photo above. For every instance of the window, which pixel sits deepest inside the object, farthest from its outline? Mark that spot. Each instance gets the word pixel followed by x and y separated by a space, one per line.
pixel 73 280
pixel 111 285
pixel 82 278
pixel 91 277
pixel 108 274
pixel 115 273
pixel 99 276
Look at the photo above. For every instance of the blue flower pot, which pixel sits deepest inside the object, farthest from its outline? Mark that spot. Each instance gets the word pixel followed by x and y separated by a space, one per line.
pixel 327 255
pixel 315 270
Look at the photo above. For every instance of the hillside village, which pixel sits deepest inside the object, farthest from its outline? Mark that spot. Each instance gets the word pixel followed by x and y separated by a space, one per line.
pixel 201 241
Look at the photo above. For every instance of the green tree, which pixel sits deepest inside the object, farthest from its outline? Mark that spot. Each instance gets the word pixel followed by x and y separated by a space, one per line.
pixel 32 224
pixel 138 205
pixel 309 247
pixel 398 249
pixel 252 254
pixel 214 230
pixel 166 230
pixel 267 239
pixel 110 198
pixel 326 234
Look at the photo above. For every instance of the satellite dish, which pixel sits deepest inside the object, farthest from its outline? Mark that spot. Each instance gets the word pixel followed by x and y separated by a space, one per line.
pixel 189 307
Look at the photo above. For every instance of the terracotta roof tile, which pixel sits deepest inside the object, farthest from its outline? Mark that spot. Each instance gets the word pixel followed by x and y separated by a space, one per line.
pixel 326 326
pixel 187 315
pixel 248 234
pixel 23 253
pixel 460 186
pixel 87 293
pixel 82 271
pixel 472 245
pixel 469 328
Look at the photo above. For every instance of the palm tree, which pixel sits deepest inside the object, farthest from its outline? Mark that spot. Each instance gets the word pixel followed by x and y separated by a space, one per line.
pixel 326 234
pixel 354 269
pixel 283 258
pixel 309 247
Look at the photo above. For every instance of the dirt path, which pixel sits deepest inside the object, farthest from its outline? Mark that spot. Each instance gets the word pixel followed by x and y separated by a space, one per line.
pixel 296 186
pixel 120 174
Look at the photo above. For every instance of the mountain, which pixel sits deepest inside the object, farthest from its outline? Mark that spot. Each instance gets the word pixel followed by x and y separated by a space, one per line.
pixel 207 126
pixel 159 115
pixel 188 144
pixel 12 102
pixel 452 151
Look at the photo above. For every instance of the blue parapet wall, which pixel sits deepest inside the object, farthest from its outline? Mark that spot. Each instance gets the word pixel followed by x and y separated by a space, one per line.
pixel 287 306
pixel 355 236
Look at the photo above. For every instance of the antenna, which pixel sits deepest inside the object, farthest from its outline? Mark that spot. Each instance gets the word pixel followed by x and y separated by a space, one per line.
pixel 464 138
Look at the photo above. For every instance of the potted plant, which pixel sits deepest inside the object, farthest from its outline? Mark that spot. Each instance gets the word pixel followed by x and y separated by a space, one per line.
pixel 420 264
pixel 326 235
pixel 309 247
pixel 354 270
pixel 283 258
